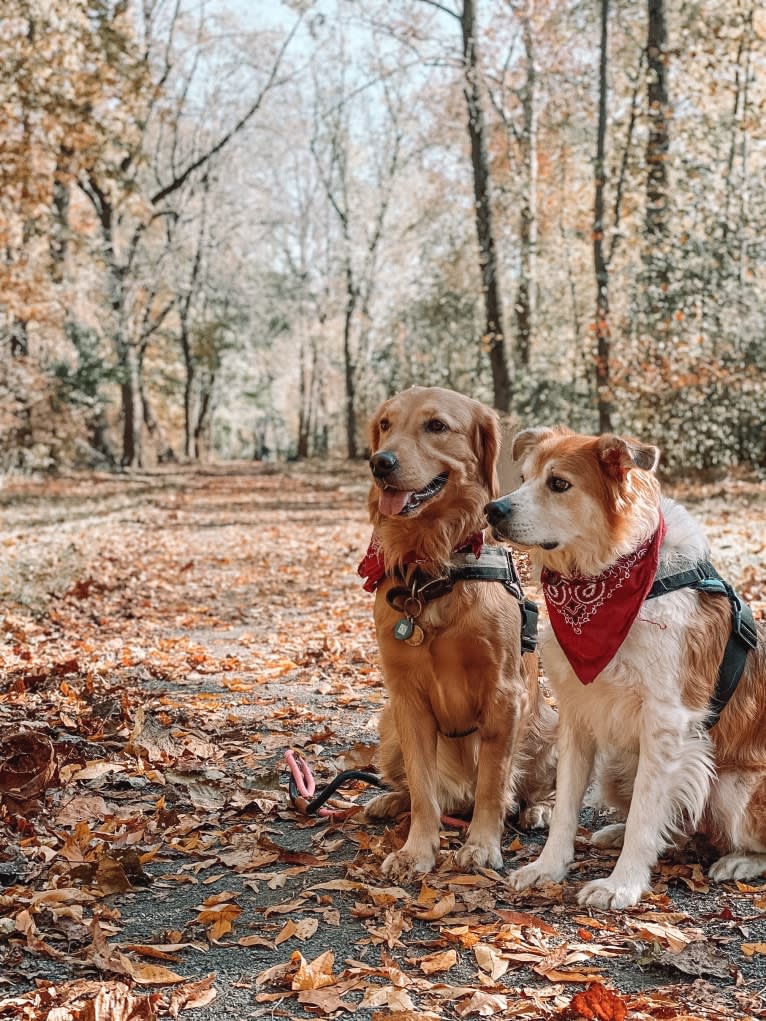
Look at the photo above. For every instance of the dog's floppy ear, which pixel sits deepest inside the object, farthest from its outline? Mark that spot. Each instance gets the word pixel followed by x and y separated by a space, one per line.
pixel 618 456
pixel 487 445
pixel 523 442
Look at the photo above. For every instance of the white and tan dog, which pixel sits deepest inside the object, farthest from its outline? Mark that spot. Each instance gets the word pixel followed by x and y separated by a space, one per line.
pixel 637 679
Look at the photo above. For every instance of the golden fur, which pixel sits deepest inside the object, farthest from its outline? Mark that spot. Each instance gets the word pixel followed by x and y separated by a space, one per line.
pixel 468 671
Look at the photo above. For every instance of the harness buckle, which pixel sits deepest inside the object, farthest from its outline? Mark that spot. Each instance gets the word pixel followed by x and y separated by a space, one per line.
pixel 529 615
pixel 743 624
pixel 715 586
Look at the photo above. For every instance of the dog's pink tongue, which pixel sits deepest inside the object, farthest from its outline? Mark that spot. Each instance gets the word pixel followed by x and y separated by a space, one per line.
pixel 392 501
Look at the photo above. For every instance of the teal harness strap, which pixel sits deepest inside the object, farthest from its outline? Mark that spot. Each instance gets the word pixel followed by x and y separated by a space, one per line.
pixel 704 578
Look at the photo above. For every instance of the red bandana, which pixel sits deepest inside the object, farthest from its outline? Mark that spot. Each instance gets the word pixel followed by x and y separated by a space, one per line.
pixel 591 615
pixel 373 566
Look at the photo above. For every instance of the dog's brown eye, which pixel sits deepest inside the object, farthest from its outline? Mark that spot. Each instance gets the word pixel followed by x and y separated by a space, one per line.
pixel 557 485
pixel 435 425
pixel 384 425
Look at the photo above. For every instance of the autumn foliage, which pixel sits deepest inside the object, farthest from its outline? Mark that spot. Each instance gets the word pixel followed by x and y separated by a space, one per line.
pixel 164 640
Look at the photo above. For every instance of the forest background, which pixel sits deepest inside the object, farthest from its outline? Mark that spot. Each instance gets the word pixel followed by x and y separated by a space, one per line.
pixel 228 229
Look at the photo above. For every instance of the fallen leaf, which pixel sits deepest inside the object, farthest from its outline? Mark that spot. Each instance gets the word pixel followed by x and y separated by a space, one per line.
pixel 442 907
pixel 192 994
pixel 491 960
pixel 599 1003
pixel 748 949
pixel 316 973
pixel 442 961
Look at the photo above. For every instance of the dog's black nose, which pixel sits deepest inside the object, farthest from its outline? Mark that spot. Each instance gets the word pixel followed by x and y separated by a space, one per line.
pixel 499 510
pixel 383 463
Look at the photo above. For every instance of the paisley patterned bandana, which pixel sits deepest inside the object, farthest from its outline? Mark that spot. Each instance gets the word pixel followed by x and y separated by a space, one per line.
pixel 373 566
pixel 592 615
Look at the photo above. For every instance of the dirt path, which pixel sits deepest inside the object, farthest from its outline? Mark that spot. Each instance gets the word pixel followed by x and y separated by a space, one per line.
pixel 164 639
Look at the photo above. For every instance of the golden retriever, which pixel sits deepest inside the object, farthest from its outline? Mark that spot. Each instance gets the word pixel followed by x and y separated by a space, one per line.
pixel 637 681
pixel 466 725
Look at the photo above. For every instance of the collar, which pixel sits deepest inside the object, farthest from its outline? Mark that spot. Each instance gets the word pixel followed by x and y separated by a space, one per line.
pixel 373 565
pixel 591 615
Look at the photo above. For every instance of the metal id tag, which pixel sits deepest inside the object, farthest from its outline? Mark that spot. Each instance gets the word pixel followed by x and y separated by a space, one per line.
pixel 403 628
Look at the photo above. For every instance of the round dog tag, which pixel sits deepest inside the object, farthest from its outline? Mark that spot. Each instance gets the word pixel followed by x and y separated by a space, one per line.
pixel 417 636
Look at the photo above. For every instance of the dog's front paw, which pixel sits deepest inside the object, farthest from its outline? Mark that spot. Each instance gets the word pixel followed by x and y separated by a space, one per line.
pixel 478 856
pixel 738 866
pixel 403 867
pixel 388 806
pixel 610 894
pixel 536 817
pixel 609 836
pixel 536 874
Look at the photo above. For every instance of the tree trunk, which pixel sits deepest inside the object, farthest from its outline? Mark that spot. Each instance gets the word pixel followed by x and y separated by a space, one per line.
pixel 188 388
pixel 656 257
pixel 488 263
pixel 202 413
pixel 59 235
pixel 349 369
pixel 165 453
pixel 658 143
pixel 304 406
pixel 19 335
pixel 132 411
pixel 600 266
pixel 526 293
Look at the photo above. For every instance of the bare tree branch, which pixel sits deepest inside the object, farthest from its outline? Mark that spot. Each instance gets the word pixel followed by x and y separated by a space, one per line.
pixel 181 178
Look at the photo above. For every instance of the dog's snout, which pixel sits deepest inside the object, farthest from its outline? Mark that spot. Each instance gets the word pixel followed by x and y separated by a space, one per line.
pixel 383 463
pixel 499 511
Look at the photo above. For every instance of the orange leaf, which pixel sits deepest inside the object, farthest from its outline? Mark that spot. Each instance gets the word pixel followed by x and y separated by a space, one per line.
pixel 599 1003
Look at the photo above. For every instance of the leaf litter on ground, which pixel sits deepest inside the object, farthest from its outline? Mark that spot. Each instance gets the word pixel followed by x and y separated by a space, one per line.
pixel 149 691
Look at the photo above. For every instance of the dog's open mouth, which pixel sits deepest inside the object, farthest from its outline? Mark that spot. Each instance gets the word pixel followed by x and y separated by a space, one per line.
pixel 401 502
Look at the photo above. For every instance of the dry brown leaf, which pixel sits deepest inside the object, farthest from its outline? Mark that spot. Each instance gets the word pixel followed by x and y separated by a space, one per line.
pixel 441 908
pixel 86 806
pixel 484 1004
pixel 284 909
pixel 288 930
pixel 255 941
pixel 219 919
pixel 115 1002
pixel 28 764
pixel 491 960
pixel 95 770
pixel 192 994
pixel 219 898
pixel 150 974
pixel 441 961
pixel 523 919
pixel 314 974
pixel 161 951
pixel 111 877
pixel 573 976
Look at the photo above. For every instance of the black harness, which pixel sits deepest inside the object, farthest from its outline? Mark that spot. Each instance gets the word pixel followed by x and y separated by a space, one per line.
pixel 744 636
pixel 494 563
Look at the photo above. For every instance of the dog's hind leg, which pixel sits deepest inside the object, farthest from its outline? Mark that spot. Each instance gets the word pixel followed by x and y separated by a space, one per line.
pixel 391 766
pixel 537 786
pixel 738 810
pixel 388 806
